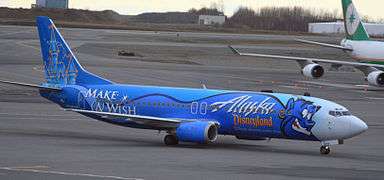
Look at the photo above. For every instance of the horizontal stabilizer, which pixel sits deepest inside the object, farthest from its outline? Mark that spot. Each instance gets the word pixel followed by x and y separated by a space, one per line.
pixel 31 85
pixel 324 44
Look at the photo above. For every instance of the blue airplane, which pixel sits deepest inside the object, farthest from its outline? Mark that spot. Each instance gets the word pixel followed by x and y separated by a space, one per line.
pixel 186 114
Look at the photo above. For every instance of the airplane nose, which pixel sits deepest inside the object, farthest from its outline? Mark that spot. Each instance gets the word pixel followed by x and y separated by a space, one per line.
pixel 357 126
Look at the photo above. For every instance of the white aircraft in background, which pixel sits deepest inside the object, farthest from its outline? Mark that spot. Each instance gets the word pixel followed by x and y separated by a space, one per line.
pixel 357 43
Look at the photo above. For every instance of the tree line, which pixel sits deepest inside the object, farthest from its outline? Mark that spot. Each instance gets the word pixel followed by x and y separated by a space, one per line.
pixel 279 18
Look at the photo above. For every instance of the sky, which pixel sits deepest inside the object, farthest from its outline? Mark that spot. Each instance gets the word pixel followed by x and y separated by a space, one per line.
pixel 371 8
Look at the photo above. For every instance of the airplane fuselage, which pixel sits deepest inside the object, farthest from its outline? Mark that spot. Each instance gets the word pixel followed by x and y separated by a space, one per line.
pixel 186 114
pixel 365 51
pixel 247 115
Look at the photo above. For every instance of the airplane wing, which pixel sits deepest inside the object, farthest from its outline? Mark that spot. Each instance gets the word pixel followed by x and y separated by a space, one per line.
pixel 357 65
pixel 323 44
pixel 31 85
pixel 165 123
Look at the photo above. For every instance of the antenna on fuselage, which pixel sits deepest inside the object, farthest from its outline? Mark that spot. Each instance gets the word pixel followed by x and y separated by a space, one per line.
pixel 203 85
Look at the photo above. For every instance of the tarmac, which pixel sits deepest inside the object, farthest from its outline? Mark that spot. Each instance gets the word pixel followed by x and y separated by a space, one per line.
pixel 39 140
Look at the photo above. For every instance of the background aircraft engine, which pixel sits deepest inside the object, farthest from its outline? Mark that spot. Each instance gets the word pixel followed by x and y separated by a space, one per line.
pixel 313 70
pixel 376 78
pixel 198 132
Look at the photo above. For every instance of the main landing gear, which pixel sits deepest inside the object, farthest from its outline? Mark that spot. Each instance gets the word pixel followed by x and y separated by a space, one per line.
pixel 325 150
pixel 170 140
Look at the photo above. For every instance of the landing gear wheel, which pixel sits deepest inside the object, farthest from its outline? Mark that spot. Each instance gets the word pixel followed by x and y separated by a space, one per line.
pixel 325 150
pixel 170 140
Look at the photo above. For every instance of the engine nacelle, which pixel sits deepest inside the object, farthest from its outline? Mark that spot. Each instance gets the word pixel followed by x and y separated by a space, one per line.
pixel 376 78
pixel 313 70
pixel 198 132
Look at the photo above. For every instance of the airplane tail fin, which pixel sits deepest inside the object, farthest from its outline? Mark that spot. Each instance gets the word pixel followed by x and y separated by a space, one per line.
pixel 60 64
pixel 354 27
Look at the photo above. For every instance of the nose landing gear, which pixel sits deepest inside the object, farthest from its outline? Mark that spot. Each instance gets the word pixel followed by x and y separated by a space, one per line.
pixel 326 146
pixel 325 150
pixel 170 140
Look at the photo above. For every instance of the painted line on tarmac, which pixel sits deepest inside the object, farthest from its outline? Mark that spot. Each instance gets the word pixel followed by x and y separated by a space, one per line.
pixel 375 98
pixel 30 167
pixel 295 87
pixel 67 173
pixel 337 85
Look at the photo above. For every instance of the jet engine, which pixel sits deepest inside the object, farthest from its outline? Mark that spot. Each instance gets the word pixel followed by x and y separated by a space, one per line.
pixel 313 70
pixel 376 78
pixel 198 132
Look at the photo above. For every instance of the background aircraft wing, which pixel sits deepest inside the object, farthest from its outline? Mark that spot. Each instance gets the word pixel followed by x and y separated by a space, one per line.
pixel 323 44
pixel 164 123
pixel 357 65
pixel 30 85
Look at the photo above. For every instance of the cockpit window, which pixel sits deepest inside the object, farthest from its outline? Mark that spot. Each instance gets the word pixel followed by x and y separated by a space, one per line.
pixel 346 113
pixel 339 113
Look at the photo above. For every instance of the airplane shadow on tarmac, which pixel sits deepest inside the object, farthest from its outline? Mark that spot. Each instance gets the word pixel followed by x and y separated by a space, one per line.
pixel 136 141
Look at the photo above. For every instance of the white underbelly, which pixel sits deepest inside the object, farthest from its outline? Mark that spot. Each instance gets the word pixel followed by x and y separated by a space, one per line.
pixel 367 50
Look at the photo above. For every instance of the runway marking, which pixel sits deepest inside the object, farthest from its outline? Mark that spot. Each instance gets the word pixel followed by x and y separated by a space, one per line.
pixel 30 167
pixel 375 98
pixel 295 87
pixel 347 86
pixel 66 173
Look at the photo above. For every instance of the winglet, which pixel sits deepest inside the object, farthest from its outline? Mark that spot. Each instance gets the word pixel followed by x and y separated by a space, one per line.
pixel 235 51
